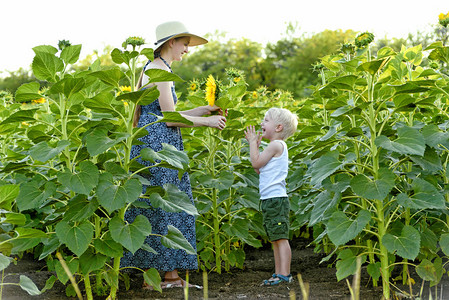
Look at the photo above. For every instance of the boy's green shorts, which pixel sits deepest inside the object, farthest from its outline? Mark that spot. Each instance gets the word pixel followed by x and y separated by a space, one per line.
pixel 276 212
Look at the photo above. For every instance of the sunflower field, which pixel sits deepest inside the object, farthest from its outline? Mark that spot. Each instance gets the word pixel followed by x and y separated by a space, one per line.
pixel 368 174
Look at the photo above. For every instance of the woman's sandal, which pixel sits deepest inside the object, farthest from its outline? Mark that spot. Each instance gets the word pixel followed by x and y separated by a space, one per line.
pixel 277 279
pixel 169 283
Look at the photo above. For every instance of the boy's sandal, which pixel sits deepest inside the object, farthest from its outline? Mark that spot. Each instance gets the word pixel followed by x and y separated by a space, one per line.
pixel 277 279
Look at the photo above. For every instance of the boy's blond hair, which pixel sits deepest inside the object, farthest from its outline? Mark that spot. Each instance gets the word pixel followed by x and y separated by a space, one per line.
pixel 286 118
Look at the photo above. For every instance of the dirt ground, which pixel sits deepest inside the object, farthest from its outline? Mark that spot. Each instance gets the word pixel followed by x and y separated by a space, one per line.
pixel 237 284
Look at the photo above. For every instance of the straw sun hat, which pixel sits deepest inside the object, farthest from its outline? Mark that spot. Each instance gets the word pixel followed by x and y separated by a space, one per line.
pixel 169 30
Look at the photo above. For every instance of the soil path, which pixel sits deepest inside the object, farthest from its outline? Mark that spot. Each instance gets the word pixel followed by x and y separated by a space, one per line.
pixel 236 284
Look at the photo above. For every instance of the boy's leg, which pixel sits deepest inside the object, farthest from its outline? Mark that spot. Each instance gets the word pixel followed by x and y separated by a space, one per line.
pixel 282 256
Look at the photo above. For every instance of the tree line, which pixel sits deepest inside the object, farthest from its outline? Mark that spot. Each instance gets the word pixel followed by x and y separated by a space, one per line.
pixel 286 64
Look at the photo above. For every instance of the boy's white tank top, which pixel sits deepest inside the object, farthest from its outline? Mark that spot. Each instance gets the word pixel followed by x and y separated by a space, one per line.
pixel 272 176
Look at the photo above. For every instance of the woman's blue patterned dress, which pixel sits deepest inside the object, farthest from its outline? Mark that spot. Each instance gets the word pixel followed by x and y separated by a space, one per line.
pixel 167 259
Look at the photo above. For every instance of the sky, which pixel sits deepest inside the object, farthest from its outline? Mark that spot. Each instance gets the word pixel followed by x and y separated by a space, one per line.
pixel 25 24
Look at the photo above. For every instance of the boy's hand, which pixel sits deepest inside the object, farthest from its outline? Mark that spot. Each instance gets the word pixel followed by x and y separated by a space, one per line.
pixel 252 136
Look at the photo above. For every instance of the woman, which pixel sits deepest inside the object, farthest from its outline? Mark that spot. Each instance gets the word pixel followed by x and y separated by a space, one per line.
pixel 173 41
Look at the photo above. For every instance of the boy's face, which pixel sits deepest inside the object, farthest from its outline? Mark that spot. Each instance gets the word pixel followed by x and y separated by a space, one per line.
pixel 268 127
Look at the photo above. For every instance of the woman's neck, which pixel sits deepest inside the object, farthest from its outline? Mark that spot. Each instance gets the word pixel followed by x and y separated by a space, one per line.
pixel 166 59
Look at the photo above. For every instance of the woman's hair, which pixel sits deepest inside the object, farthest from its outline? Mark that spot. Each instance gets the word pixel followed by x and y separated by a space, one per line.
pixel 138 110
pixel 286 118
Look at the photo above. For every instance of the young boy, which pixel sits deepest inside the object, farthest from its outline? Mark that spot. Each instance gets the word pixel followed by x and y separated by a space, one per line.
pixel 272 166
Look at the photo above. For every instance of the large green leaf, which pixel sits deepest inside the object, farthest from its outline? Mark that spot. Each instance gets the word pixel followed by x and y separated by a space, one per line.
pixel 80 208
pixel 425 196
pixel 174 200
pixel 4 261
pixel 372 67
pixel 169 154
pixel 324 167
pixel 71 54
pixel 34 194
pixel 431 271
pixel 90 261
pixel 341 229
pixel 46 66
pixel 50 245
pixel 77 236
pixel 175 240
pixel 68 86
pixel 409 141
pixel 430 162
pixel 158 75
pixel 108 246
pixel 43 152
pixel 342 83
pixel 110 77
pixel 130 235
pixel 444 243
pixel 118 56
pixel 440 53
pixel 82 181
pixel 72 264
pixel 8 193
pixel 406 245
pixel 14 218
pixel 324 205
pixel 240 228
pixel 27 92
pixel 142 97
pixel 374 189
pixel 114 195
pixel 237 91
pixel 29 233
pixel 98 140
pixel 20 116
pixel 174 117
pixel 28 285
pixel 152 278
pixel 434 136
pixel 347 263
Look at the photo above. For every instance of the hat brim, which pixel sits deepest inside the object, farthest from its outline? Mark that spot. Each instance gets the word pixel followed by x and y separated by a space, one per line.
pixel 195 40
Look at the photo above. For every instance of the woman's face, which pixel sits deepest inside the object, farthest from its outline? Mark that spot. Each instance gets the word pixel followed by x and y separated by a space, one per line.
pixel 180 47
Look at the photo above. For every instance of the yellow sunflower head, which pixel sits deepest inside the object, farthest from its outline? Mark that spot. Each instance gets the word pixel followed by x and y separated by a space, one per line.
pixel 237 79
pixel 443 19
pixel 38 101
pixel 124 89
pixel 254 95
pixel 211 88
pixel 193 86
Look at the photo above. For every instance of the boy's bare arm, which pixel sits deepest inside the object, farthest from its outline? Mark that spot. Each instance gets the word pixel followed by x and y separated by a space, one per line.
pixel 260 159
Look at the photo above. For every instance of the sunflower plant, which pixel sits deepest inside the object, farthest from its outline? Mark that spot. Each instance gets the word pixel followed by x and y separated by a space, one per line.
pixel 67 177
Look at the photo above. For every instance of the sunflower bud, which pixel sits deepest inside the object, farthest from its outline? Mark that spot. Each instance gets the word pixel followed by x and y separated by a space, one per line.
pixel 347 48
pixel 133 41
pixel 63 44
pixel 364 39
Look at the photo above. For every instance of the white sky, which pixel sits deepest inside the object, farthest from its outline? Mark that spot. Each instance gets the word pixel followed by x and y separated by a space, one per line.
pixel 25 24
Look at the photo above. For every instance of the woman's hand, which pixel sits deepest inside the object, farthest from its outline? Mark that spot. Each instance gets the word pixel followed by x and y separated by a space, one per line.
pixel 217 121
pixel 213 108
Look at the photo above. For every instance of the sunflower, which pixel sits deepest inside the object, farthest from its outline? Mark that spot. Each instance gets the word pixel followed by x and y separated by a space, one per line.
pixel 211 88
pixel 443 19
pixel 193 86
pixel 364 39
pixel 254 95
pixel 237 79
pixel 38 101
pixel 124 88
